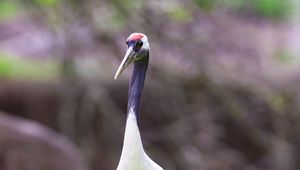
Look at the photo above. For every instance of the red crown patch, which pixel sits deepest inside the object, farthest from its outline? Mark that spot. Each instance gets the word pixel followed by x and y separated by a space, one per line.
pixel 135 36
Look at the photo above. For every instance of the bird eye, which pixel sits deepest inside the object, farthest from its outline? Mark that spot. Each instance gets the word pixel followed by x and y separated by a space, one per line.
pixel 140 44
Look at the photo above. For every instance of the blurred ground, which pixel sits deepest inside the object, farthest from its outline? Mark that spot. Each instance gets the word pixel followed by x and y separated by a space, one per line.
pixel 222 88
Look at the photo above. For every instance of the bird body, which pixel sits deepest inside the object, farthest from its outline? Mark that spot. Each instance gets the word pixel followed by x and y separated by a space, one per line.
pixel 133 156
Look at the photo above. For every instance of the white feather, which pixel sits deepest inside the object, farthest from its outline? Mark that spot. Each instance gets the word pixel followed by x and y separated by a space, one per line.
pixel 133 156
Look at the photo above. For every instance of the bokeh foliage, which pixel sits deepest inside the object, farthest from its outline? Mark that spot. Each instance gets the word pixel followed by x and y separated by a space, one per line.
pixel 221 92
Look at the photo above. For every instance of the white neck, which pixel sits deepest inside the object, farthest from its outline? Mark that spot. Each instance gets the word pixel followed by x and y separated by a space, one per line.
pixel 133 156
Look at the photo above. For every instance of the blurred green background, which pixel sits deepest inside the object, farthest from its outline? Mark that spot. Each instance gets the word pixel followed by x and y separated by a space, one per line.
pixel 222 87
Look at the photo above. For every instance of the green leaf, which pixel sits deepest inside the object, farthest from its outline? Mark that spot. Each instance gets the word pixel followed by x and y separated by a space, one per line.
pixel 46 3
pixel 272 8
pixel 205 4
pixel 8 9
pixel 180 14
pixel 14 67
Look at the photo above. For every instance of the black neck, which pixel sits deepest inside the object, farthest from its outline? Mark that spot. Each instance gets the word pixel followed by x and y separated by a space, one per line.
pixel 136 87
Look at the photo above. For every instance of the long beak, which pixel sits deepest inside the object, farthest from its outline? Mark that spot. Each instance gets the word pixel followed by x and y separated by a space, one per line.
pixel 128 58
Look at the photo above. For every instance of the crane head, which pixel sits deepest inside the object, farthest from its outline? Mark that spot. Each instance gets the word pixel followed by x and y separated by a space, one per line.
pixel 137 49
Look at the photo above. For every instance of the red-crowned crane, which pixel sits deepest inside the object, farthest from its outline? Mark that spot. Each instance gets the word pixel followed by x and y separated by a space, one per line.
pixel 133 156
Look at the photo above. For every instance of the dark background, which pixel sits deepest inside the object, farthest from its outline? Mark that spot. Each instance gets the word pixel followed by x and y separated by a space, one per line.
pixel 222 87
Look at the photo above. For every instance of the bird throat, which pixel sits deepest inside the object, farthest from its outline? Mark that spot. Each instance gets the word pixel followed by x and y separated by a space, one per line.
pixel 136 87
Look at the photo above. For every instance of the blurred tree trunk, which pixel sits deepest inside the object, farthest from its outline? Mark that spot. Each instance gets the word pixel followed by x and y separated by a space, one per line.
pixel 27 145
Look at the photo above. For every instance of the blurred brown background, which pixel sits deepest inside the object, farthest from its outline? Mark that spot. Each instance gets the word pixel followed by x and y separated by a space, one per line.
pixel 222 88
